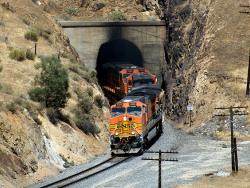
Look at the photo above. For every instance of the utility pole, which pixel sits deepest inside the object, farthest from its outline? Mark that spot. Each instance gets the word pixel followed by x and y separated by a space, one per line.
pixel 245 7
pixel 234 155
pixel 248 77
pixel 159 161
pixel 247 11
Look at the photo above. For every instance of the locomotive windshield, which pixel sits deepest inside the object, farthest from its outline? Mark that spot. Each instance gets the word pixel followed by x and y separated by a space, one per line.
pixel 117 111
pixel 142 82
pixel 135 111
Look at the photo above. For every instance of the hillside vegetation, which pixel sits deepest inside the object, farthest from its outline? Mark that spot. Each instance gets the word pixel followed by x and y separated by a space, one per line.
pixel 38 139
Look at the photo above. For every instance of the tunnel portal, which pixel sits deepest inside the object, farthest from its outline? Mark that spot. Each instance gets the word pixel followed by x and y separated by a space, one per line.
pixel 137 42
pixel 117 51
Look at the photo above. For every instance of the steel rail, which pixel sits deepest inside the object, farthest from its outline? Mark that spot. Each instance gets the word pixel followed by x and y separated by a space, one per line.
pixel 84 171
pixel 74 178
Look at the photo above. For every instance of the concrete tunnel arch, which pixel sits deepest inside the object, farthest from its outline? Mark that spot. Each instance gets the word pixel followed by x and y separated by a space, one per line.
pixel 118 51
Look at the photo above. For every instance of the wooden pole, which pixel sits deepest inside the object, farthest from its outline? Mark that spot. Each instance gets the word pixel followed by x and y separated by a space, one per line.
pixel 236 155
pixel 35 48
pixel 190 120
pixel 159 178
pixel 232 137
pixel 248 77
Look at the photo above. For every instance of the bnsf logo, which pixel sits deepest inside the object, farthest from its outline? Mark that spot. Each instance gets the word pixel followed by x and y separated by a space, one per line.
pixel 119 126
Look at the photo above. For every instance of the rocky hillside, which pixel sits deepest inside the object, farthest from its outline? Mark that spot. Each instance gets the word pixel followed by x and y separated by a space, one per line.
pixel 207 57
pixel 102 9
pixel 34 141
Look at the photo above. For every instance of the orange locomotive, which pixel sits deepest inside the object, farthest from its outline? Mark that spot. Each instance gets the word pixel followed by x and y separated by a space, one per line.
pixel 135 120
pixel 119 79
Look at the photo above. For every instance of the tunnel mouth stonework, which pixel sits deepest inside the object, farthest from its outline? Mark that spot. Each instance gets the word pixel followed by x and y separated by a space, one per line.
pixel 138 42
pixel 117 51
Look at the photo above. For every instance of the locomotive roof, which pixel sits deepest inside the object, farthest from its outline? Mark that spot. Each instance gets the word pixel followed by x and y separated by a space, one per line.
pixel 132 98
pixel 151 91
pixel 141 77
pixel 120 65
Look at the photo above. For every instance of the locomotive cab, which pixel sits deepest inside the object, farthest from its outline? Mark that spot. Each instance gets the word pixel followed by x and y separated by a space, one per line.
pixel 127 124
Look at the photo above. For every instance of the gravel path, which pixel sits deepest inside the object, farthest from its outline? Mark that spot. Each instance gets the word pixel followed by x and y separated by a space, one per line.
pixel 197 156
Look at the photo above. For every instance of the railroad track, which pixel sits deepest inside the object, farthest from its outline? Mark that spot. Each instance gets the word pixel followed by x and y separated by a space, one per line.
pixel 87 173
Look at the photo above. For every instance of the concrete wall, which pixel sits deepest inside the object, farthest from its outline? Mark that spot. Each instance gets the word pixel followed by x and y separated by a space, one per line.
pixel 148 37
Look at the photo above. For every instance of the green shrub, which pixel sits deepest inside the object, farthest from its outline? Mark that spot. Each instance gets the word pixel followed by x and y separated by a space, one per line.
pixel 85 103
pixel 89 76
pixel 99 101
pixel 53 115
pixel 93 75
pixel 31 35
pixel 75 77
pixel 34 33
pixel 30 55
pixel 37 94
pixel 89 91
pixel 19 101
pixel 18 54
pixel 67 163
pixel 118 16
pixel 53 84
pixel 42 32
pixel 85 124
pixel 5 88
pixel 12 107
pixel 73 11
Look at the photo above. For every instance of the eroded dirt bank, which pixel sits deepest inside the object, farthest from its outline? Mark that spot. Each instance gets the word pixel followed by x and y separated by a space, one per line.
pixel 32 145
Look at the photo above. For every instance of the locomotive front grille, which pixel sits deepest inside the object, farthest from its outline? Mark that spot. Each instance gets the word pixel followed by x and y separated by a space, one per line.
pixel 125 129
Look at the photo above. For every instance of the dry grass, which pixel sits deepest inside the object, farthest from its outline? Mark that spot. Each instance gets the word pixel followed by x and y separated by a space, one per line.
pixel 226 135
pixel 240 180
pixel 70 9
pixel 20 77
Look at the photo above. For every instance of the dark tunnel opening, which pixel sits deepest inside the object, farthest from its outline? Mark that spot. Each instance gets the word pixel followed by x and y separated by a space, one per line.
pixel 118 51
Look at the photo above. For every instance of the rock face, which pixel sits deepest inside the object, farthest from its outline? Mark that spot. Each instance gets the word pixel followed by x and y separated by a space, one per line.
pixel 97 6
pixel 185 37
pixel 150 5
pixel 206 57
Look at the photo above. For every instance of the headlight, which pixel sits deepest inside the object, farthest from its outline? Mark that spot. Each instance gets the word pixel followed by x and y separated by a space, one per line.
pixel 116 133
pixel 111 139
pixel 133 132
pixel 125 118
pixel 141 138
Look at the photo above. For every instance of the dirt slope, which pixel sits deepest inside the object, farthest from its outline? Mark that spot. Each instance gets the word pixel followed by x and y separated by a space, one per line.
pixel 102 9
pixel 241 179
pixel 31 147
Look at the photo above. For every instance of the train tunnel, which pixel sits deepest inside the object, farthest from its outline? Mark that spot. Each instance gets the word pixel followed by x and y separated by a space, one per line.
pixel 118 51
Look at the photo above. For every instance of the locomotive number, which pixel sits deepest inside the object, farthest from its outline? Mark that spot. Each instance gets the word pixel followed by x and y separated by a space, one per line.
pixel 125 126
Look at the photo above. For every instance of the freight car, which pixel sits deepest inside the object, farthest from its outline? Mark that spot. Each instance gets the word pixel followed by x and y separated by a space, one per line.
pixel 117 79
pixel 136 119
